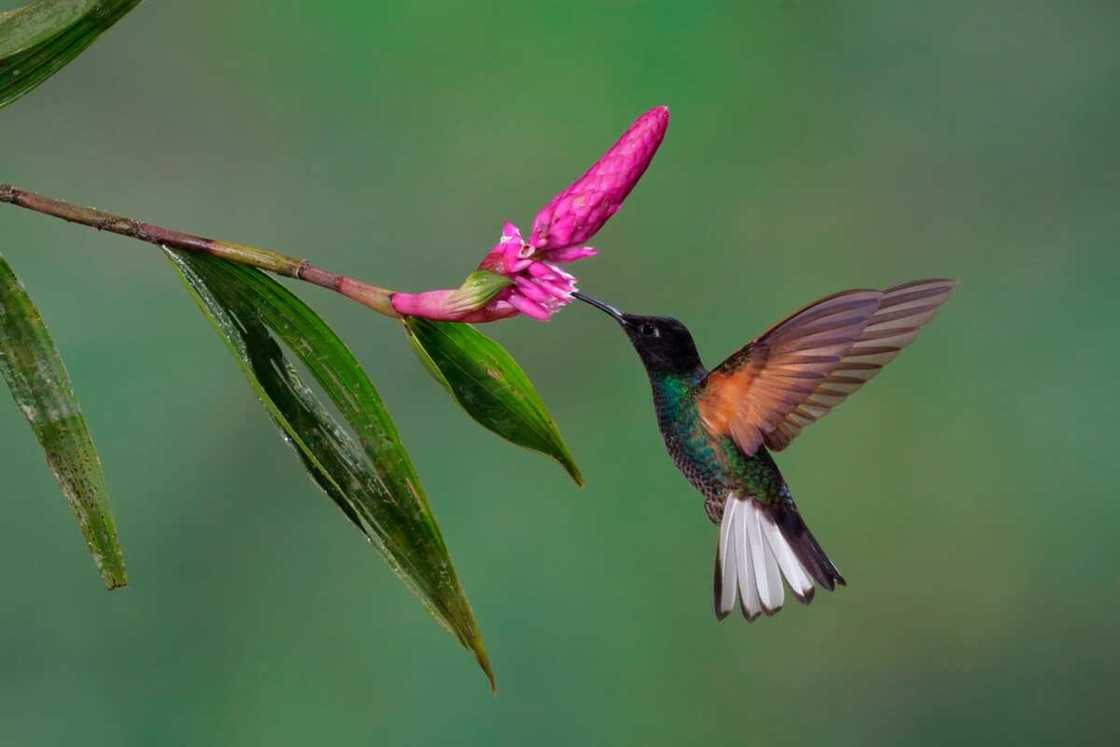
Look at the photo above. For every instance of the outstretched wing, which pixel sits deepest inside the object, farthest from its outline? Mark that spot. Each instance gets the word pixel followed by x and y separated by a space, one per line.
pixel 752 392
pixel 808 363
pixel 903 311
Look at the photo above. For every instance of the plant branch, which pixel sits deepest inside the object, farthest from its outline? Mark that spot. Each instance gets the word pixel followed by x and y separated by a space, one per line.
pixel 372 296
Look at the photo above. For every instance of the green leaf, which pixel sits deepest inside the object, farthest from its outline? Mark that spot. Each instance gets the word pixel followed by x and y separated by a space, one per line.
pixel 368 475
pixel 486 380
pixel 41 387
pixel 39 39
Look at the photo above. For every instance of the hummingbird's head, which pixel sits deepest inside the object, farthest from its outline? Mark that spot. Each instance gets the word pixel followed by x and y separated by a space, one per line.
pixel 664 344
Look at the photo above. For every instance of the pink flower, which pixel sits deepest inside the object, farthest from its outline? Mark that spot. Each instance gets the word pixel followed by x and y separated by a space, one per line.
pixel 513 278
pixel 539 287
pixel 522 277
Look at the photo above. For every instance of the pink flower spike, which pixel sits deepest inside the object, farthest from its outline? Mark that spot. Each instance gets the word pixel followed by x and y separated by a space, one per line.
pixel 571 254
pixel 519 277
pixel 577 213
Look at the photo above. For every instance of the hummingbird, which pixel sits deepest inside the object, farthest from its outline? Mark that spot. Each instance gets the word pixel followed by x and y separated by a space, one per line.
pixel 720 426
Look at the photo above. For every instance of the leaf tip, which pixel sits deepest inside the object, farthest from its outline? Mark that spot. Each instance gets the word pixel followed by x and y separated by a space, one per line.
pixel 577 476
pixel 111 567
pixel 486 668
pixel 483 659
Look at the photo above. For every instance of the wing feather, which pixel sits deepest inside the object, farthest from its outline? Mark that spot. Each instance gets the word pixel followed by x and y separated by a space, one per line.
pixel 752 392
pixel 808 363
pixel 903 311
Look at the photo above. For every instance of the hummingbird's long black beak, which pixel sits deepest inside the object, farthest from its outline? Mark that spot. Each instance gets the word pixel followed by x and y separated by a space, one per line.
pixel 602 307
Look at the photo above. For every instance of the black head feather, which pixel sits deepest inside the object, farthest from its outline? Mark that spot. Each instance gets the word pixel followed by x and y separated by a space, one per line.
pixel 664 344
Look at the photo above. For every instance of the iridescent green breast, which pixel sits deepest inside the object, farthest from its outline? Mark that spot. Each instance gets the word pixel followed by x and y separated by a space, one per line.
pixel 692 450
pixel 714 466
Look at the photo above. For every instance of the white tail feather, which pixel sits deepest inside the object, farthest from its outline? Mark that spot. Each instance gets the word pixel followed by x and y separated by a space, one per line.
pixel 727 561
pixel 754 557
pixel 766 574
pixel 799 582
pixel 748 587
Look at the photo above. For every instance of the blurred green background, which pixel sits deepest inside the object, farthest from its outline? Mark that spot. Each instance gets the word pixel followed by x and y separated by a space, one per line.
pixel 968 494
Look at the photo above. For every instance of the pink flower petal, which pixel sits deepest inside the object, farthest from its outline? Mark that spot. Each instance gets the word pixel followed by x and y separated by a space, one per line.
pixel 501 306
pixel 541 270
pixel 490 313
pixel 571 254
pixel 510 233
pixel 529 308
pixel 509 255
pixel 516 264
pixel 532 291
pixel 561 290
pixel 557 272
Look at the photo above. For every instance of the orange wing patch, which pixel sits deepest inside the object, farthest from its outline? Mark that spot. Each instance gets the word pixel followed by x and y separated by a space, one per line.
pixel 751 393
pixel 812 361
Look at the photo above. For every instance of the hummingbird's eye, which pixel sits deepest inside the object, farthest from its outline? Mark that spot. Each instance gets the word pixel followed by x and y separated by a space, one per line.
pixel 649 330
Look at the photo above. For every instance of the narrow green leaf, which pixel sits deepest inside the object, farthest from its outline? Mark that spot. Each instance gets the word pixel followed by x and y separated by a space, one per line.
pixel 39 39
pixel 370 478
pixel 485 379
pixel 31 365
